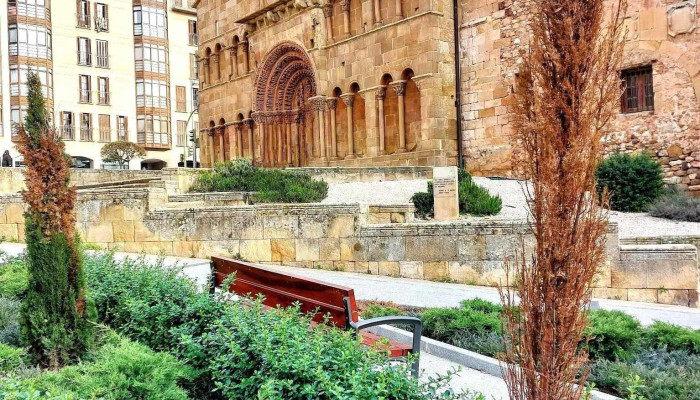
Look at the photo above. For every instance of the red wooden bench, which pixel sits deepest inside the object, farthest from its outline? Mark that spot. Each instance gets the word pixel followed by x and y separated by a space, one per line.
pixel 319 298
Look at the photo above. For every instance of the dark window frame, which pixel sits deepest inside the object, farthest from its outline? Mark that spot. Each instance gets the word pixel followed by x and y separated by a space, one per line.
pixel 637 90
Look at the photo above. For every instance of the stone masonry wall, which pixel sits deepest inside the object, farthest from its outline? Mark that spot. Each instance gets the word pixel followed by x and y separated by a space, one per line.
pixel 12 179
pixel 661 33
pixel 383 240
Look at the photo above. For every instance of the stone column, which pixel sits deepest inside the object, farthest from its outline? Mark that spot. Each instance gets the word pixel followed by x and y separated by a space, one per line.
pixel 349 100
pixel 220 130
pixel 296 138
pixel 261 122
pixel 210 140
pixel 232 133
pixel 246 56
pixel 345 5
pixel 233 52
pixel 328 13
pixel 207 73
pixel 319 103
pixel 251 149
pixel 239 140
pixel 279 131
pixel 400 89
pixel 381 95
pixel 290 159
pixel 377 12
pixel 215 61
pixel 332 107
pixel 399 10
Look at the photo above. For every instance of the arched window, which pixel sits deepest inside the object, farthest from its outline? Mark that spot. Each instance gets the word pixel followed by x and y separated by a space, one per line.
pixel 413 110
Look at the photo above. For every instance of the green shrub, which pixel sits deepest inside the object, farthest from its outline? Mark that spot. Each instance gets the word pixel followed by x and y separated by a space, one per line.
pixel 375 310
pixel 664 375
pixel 473 199
pixel 672 337
pixel 450 324
pixel 240 351
pixel 11 358
pixel 126 371
pixel 9 321
pixel 270 185
pixel 13 278
pixel 635 182
pixel 677 205
pixel 613 335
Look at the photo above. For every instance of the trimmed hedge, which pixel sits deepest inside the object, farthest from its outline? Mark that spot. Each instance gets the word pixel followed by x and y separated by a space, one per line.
pixel 613 335
pixel 270 185
pixel 634 182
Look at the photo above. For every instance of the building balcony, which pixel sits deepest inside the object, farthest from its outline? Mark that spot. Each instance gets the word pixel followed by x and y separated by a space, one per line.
pixel 84 96
pixel 101 24
pixel 82 21
pixel 67 132
pixel 84 58
pixel 85 134
pixel 103 98
pixel 102 61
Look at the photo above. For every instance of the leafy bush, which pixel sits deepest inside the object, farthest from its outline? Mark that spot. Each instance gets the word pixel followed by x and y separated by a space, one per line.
pixel 451 324
pixel 270 185
pixel 614 335
pixel 376 309
pixel 634 181
pixel 664 375
pixel 11 358
pixel 473 199
pixel 9 321
pixel 240 351
pixel 672 337
pixel 13 278
pixel 677 205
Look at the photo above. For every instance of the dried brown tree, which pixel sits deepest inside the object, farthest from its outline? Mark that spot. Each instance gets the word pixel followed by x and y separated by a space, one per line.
pixel 566 91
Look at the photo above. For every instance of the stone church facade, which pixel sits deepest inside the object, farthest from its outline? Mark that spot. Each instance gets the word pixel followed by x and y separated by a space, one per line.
pixel 381 83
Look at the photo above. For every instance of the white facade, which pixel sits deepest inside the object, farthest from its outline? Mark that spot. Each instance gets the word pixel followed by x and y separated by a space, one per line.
pixel 111 94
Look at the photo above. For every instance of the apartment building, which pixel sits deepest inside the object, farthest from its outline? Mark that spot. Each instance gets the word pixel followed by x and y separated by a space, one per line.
pixel 107 75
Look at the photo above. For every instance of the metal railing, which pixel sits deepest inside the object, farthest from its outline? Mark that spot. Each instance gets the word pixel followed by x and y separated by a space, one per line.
pixel 84 96
pixel 84 58
pixel 82 20
pixel 86 133
pixel 103 98
pixel 101 24
pixel 67 132
pixel 102 61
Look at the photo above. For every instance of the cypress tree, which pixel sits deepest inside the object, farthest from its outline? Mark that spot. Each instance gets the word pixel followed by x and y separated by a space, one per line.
pixel 56 317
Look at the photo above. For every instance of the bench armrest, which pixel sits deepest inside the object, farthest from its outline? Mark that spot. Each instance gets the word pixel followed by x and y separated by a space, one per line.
pixel 417 332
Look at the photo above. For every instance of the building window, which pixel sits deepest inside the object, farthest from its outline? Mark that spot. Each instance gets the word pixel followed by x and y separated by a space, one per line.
pixel 86 127
pixel 194 67
pixel 105 132
pixel 193 37
pixel 180 99
pixel 103 91
pixel 195 98
pixel 150 21
pixel 151 93
pixel 151 58
pixel 181 133
pixel 18 80
pixel 102 53
pixel 30 41
pixel 638 90
pixel 84 52
pixel 101 17
pixel 31 8
pixel 153 130
pixel 67 125
pixel 83 14
pixel 84 87
pixel 15 119
pixel 122 128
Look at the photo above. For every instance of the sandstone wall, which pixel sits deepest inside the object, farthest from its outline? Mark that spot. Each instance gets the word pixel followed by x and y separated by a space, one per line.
pixel 12 179
pixel 662 33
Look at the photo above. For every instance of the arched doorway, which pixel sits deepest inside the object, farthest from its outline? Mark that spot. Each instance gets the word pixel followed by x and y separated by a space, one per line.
pixel 284 116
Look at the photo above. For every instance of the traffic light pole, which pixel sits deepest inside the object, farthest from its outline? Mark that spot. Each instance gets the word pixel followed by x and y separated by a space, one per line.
pixel 194 140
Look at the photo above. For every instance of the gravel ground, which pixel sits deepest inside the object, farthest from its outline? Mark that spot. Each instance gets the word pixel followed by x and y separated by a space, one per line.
pixel 631 225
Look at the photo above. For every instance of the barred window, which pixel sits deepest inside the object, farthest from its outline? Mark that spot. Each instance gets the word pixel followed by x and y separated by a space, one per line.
pixel 638 90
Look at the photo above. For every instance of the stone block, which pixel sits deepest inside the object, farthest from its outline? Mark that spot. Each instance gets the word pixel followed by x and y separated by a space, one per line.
pixel 225 248
pixel 346 266
pixel 386 268
pixel 397 218
pixel 313 226
pixel 329 249
pixel 123 231
pixel 21 234
pixel 610 293
pixel 472 248
pixel 674 297
pixel 283 250
pixel 379 218
pixel 411 269
pixel 436 271
pixel 341 226
pixel 256 250
pixel 307 250
pixel 160 248
pixel 354 249
pixel 3 216
pixel 14 213
pixel 112 213
pixel 445 193
pixel 363 267
pixel 142 233
pixel 100 233
pixel 642 295
pixel 183 248
pixel 387 248
pixel 432 248
pixel 281 226
pixel 464 273
pixel 9 232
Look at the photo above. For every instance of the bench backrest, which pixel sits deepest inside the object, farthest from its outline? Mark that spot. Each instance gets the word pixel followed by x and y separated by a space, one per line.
pixel 281 289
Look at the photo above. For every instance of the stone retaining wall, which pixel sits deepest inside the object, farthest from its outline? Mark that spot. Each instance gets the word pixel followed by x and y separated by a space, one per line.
pixel 382 240
pixel 12 179
pixel 367 174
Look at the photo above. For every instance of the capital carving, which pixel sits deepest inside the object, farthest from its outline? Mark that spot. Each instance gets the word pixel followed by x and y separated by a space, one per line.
pixel 345 5
pixel 250 122
pixel 399 88
pixel 348 99
pixel 318 103
pixel 220 130
pixel 245 46
pixel 381 93
pixel 332 103
pixel 215 58
pixel 210 132
pixel 328 10
pixel 233 50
